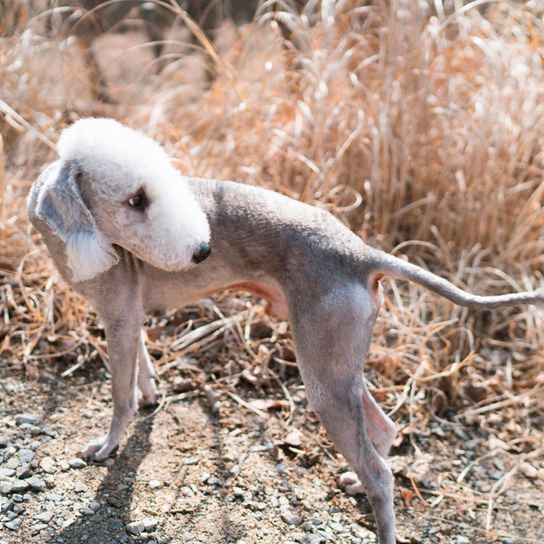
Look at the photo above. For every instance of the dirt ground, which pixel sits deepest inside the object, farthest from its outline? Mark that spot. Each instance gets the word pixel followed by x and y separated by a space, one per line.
pixel 229 475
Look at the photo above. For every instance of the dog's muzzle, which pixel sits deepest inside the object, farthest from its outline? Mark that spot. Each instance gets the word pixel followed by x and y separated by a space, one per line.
pixel 202 253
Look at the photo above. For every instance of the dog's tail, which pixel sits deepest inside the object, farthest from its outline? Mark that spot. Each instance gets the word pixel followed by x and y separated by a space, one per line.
pixel 385 264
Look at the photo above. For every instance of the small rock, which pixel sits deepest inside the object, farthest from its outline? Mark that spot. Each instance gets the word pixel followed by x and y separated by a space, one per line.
pixel 154 484
pixel 11 515
pixel 32 429
pixel 53 497
pixel 529 471
pixel 3 442
pixel 76 462
pixel 182 385
pixel 146 525
pixel 6 488
pixel 13 463
pixel 24 471
pixel 19 485
pixel 80 487
pixel 26 455
pixel 95 505
pixel 29 419
pixel 7 506
pixel 37 484
pixel 87 511
pixel 9 451
pixel 44 517
pixel 7 472
pixel 190 461
pixel 291 519
pixel 462 540
pixel 150 524
pixel 114 501
pixel 337 527
pixel 14 524
pixel 49 481
pixel 47 464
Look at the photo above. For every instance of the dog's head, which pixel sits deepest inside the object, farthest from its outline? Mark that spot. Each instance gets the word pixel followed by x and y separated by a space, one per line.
pixel 115 186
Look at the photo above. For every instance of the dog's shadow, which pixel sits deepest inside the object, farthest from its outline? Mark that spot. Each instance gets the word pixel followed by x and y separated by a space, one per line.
pixel 114 495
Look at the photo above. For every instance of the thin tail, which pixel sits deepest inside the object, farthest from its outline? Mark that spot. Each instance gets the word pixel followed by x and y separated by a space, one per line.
pixel 388 265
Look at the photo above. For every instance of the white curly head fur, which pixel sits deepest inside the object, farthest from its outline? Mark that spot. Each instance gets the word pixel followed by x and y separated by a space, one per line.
pixel 103 164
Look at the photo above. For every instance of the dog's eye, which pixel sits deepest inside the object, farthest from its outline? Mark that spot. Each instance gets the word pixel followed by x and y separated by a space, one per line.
pixel 137 201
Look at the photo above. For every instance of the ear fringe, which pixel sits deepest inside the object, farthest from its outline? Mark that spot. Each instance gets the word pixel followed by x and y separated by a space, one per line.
pixel 89 255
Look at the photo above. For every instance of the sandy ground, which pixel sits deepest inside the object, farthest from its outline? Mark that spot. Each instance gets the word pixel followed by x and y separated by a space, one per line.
pixel 191 475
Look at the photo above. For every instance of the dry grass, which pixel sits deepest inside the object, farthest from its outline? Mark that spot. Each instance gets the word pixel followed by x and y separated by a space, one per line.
pixel 423 133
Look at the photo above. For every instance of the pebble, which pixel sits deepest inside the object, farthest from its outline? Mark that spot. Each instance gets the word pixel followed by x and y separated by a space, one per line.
pixel 14 524
pixel 114 501
pixel 10 450
pixel 13 463
pixel 190 461
pixel 23 471
pixel 7 472
pixel 80 487
pixel 26 455
pixel 19 485
pixel 3 442
pixel 37 484
pixel 529 471
pixel 47 464
pixel 53 497
pixel 291 519
pixel 6 488
pixel 147 525
pixel 154 484
pixel 29 419
pixel 76 462
pixel 44 517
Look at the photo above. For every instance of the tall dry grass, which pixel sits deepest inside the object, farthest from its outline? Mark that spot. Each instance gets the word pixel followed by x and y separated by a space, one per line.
pixel 421 127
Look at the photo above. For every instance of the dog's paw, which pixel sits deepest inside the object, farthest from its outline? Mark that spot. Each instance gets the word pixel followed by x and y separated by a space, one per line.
pixel 99 449
pixel 148 394
pixel 350 483
pixel 148 398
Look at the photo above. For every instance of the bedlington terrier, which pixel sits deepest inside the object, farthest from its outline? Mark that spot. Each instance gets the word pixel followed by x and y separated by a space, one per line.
pixel 132 234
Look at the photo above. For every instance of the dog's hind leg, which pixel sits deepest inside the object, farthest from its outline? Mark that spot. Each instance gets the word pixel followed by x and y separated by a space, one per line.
pixel 380 428
pixel 332 334
pixel 146 375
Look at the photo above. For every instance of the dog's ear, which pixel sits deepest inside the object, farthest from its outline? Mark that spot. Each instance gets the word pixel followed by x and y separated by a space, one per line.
pixel 61 207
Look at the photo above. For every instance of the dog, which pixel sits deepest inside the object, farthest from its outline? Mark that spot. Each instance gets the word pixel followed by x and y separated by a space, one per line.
pixel 131 234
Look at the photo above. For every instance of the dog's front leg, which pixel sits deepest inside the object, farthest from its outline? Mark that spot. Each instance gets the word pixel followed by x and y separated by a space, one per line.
pixel 123 337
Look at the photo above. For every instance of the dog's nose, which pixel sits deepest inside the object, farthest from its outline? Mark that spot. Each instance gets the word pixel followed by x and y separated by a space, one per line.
pixel 202 253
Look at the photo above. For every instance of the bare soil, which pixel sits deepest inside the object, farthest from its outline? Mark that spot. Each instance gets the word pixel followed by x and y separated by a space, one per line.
pixel 232 476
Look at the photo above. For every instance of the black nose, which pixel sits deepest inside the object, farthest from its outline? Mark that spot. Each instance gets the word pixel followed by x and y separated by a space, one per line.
pixel 202 253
